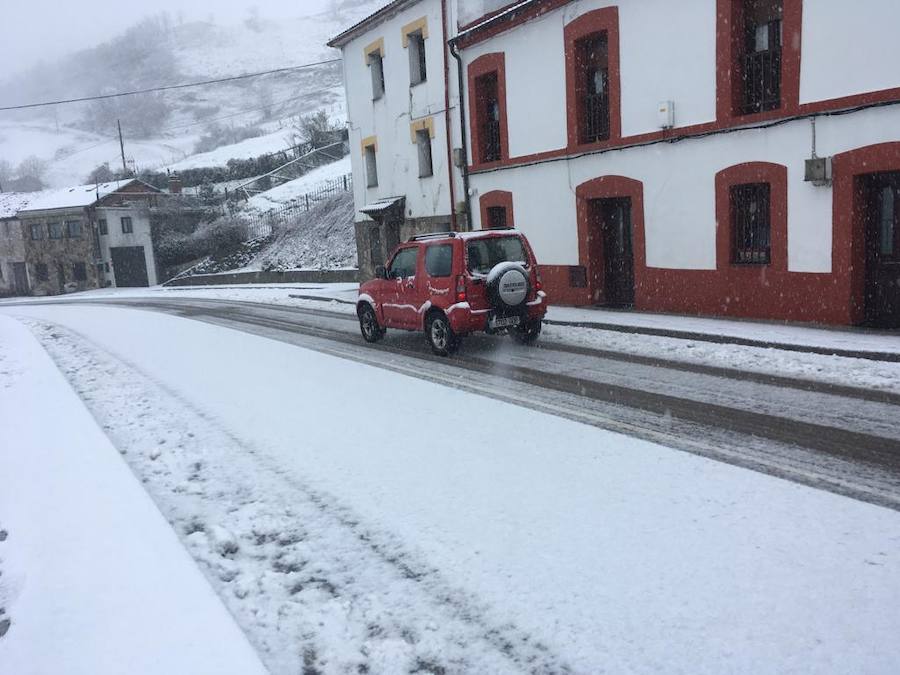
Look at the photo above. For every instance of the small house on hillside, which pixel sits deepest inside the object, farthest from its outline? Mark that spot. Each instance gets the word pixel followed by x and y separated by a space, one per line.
pixel 89 236
pixel 13 276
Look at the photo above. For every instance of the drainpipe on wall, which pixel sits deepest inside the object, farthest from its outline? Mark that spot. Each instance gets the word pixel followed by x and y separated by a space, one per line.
pixel 454 225
pixel 462 128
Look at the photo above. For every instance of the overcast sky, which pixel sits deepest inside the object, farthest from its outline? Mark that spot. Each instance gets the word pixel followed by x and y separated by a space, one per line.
pixel 45 29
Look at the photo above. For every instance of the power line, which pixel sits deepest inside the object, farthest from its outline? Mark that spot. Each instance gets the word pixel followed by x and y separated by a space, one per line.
pixel 171 87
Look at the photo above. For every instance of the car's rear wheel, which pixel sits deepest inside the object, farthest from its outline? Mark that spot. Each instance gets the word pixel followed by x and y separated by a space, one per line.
pixel 440 335
pixel 368 324
pixel 527 332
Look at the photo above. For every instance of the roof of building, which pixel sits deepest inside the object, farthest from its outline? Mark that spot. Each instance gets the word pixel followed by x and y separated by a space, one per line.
pixel 13 202
pixel 374 19
pixel 79 196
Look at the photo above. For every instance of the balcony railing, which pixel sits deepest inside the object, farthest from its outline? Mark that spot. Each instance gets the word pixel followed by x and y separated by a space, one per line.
pixel 490 141
pixel 595 124
pixel 762 82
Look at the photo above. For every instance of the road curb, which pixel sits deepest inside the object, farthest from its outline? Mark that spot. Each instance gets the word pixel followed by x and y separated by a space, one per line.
pixel 890 357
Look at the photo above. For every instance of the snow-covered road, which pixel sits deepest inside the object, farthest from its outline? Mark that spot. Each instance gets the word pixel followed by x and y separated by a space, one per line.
pixel 92 578
pixel 352 517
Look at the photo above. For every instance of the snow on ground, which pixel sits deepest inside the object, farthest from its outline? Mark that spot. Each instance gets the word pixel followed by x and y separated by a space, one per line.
pixel 838 370
pixel 274 141
pixel 296 189
pixel 72 154
pixel 93 579
pixel 354 518
pixel 831 338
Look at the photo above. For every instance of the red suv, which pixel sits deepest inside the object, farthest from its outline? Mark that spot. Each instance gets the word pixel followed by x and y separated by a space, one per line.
pixel 455 283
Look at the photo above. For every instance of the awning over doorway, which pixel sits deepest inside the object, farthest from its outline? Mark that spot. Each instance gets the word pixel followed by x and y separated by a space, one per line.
pixel 385 208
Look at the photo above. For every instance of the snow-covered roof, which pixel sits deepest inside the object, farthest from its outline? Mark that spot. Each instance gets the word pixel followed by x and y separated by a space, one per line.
pixel 73 197
pixel 381 205
pixel 13 202
pixel 372 20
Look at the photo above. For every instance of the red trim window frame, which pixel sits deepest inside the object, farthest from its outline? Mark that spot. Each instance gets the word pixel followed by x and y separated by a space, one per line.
pixel 495 199
pixel 601 23
pixel 752 173
pixel 482 68
pixel 730 48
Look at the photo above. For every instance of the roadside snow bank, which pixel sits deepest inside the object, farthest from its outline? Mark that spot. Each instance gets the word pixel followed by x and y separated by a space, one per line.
pixel 609 552
pixel 94 581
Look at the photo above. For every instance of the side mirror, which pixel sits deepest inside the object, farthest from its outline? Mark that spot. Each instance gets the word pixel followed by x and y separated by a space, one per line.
pixel 380 272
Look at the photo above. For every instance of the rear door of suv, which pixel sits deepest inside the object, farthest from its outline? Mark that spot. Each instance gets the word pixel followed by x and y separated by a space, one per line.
pixel 439 283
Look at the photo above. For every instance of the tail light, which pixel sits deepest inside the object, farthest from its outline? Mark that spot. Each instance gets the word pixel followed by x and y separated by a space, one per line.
pixel 538 284
pixel 461 289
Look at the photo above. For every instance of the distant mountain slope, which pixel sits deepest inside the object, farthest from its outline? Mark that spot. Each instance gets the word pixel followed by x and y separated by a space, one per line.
pixel 162 130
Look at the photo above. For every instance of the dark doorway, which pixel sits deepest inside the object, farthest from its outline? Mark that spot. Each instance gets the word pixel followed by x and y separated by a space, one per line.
pixel 20 279
pixel 129 266
pixel 612 253
pixel 61 277
pixel 882 294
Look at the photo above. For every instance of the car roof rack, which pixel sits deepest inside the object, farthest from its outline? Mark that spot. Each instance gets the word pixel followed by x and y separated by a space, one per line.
pixel 433 235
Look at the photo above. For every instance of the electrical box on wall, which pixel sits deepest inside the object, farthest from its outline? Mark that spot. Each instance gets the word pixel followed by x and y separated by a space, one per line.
pixel 459 158
pixel 666 114
pixel 818 171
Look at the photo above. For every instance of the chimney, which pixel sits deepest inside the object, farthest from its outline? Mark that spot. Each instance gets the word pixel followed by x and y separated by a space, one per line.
pixel 174 184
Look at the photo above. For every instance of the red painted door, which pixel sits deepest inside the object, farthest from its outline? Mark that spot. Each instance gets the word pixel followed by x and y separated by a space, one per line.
pixel 883 252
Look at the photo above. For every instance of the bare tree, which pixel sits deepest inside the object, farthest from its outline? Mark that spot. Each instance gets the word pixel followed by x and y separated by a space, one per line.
pixel 6 174
pixel 30 174
pixel 315 130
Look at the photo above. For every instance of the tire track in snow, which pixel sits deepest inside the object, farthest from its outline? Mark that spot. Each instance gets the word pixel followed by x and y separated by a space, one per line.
pixel 311 583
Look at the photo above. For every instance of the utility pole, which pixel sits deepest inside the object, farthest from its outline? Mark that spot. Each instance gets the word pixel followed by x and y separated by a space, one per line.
pixel 122 147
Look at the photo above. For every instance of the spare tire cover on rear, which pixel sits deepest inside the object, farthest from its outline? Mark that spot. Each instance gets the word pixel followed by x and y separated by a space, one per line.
pixel 508 285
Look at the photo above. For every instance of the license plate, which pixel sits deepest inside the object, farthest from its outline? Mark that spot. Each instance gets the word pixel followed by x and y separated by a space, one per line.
pixel 504 321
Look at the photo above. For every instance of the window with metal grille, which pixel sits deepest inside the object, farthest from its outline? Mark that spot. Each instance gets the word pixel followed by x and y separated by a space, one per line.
pixel 37 231
pixel 418 71
pixel 423 144
pixel 496 217
pixel 376 70
pixel 55 230
pixel 127 225
pixel 751 223
pixel 104 227
pixel 761 59
pixel 73 229
pixel 593 66
pixel 487 98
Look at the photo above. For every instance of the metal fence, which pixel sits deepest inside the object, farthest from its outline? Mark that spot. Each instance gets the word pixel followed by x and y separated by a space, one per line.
pixel 263 224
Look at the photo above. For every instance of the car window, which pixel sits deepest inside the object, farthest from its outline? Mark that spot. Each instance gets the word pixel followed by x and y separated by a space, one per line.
pixel 439 260
pixel 484 254
pixel 404 263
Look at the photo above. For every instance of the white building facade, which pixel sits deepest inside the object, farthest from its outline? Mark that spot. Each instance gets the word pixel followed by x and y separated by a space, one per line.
pixel 126 246
pixel 655 153
pixel 403 125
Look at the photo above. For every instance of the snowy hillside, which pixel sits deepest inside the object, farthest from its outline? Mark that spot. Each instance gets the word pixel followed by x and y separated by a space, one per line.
pixel 75 139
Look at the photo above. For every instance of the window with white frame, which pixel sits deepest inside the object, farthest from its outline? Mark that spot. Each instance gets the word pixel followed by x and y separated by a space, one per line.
pixel 376 70
pixel 371 166
pixel 423 144
pixel 418 70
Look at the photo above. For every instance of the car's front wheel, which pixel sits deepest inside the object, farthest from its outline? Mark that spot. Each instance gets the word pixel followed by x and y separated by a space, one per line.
pixel 440 335
pixel 368 324
pixel 527 332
